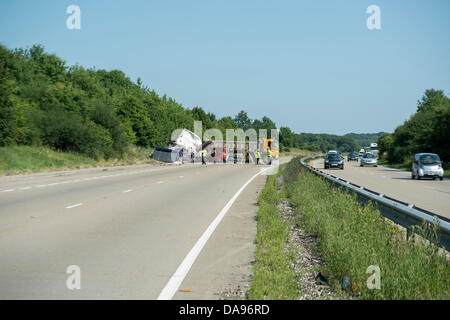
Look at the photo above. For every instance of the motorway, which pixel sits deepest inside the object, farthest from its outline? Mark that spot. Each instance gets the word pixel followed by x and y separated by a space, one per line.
pixel 432 195
pixel 130 229
pixel 127 229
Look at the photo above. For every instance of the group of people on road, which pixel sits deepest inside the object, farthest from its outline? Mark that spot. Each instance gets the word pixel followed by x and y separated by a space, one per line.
pixel 204 153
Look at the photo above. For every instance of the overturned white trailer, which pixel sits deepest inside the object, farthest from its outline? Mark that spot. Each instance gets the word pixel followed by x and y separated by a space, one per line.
pixel 186 141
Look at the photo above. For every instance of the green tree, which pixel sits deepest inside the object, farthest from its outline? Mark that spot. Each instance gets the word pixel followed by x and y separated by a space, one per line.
pixel 242 120
pixel 385 143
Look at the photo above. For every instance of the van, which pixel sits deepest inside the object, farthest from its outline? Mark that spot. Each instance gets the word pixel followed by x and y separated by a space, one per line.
pixel 361 152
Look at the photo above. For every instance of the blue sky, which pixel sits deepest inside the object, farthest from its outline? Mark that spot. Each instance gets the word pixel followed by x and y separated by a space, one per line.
pixel 310 65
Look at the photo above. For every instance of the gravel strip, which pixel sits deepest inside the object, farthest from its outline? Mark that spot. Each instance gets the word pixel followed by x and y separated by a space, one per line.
pixel 307 263
pixel 235 293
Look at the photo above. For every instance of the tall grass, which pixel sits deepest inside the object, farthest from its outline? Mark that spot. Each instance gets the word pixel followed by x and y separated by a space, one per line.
pixel 272 278
pixel 25 159
pixel 353 237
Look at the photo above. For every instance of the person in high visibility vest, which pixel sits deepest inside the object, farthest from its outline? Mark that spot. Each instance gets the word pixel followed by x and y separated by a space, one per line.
pixel 257 157
pixel 269 156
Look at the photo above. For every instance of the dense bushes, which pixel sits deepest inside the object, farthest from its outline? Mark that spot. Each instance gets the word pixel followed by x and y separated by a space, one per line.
pixel 110 112
pixel 98 113
pixel 428 130
pixel 323 142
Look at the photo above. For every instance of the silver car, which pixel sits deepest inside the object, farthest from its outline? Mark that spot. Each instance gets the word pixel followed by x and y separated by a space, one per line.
pixel 368 159
pixel 427 165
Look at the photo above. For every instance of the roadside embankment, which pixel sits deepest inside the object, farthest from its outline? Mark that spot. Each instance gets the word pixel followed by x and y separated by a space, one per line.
pixel 354 240
pixel 28 159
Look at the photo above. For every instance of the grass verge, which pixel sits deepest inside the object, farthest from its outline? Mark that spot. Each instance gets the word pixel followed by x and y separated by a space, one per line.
pixel 27 159
pixel 272 278
pixel 353 237
pixel 294 152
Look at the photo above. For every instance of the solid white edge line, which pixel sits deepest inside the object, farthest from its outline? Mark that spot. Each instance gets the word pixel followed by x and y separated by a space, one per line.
pixel 177 278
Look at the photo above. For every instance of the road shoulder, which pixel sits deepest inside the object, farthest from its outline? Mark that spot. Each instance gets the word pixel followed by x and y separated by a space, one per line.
pixel 223 270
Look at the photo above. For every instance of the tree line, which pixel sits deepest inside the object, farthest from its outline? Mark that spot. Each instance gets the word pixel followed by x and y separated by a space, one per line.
pixel 427 130
pixel 100 113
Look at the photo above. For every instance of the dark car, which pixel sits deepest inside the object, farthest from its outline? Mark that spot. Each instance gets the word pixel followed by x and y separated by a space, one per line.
pixel 352 156
pixel 334 160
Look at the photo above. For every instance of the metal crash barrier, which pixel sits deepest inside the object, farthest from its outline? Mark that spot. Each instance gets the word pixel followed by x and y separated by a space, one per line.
pixel 405 214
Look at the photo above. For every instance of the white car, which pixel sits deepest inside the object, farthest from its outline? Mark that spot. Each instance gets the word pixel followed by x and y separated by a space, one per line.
pixel 361 152
pixel 427 165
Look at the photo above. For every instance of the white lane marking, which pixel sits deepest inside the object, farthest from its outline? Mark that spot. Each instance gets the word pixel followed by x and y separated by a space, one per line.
pixel 73 206
pixel 179 275
pixel 78 180
pixel 126 191
pixel 181 177
pixel 159 182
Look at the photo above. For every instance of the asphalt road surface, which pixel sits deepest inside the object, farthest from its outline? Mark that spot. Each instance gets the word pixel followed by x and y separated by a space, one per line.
pixel 432 195
pixel 127 230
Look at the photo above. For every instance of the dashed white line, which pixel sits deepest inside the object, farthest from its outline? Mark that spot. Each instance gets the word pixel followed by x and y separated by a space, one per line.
pixel 73 206
pixel 79 180
pixel 126 191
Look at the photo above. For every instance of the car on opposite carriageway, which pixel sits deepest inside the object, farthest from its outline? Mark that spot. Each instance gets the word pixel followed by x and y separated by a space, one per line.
pixel 368 159
pixel 334 160
pixel 361 152
pixel 427 165
pixel 352 156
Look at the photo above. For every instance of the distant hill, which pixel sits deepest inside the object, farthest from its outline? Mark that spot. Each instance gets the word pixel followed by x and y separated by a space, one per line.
pixel 364 139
